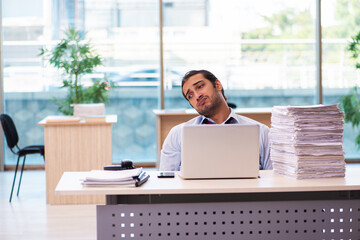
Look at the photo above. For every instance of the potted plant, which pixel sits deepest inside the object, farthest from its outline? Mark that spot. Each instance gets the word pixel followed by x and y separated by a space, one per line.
pixel 350 103
pixel 75 58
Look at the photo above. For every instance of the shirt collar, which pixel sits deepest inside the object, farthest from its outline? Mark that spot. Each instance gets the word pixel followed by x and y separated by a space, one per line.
pixel 232 115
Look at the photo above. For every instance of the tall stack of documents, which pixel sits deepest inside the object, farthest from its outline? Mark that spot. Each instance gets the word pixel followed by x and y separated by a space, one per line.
pixel 306 141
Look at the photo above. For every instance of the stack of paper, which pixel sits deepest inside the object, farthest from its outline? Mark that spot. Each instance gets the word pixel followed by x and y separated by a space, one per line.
pixel 306 141
pixel 130 177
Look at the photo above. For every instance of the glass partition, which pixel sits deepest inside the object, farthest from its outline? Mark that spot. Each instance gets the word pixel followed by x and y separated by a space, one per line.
pixel 124 33
pixel 262 51
pixel 340 21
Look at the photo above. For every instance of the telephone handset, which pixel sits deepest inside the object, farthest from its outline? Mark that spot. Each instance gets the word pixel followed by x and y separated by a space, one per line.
pixel 125 164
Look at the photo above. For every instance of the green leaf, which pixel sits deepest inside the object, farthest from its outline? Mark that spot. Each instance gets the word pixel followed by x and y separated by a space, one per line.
pixel 75 57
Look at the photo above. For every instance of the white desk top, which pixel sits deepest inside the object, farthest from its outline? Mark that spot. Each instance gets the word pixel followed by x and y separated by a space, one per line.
pixel 110 119
pixel 268 182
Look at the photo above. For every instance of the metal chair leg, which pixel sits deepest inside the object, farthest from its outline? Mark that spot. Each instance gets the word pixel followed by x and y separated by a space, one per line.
pixel 22 169
pixel 12 188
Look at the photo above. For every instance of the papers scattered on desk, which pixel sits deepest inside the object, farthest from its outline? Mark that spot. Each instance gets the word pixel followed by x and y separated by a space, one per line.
pixel 306 141
pixel 131 177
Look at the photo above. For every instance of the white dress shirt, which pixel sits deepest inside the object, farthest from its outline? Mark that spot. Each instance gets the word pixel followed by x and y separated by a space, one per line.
pixel 170 159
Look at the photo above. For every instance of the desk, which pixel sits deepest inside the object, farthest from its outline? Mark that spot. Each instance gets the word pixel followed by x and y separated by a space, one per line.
pixel 166 119
pixel 78 146
pixel 271 207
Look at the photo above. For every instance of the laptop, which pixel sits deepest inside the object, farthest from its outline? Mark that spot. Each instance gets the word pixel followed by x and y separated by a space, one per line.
pixel 219 151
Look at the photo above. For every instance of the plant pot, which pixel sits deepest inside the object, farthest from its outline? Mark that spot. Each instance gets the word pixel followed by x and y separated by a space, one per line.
pixel 88 109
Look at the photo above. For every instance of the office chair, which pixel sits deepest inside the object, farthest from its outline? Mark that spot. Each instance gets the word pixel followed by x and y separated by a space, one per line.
pixel 12 139
pixel 232 105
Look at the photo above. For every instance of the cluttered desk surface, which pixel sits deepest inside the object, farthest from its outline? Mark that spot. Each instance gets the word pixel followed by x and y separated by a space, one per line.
pixel 70 183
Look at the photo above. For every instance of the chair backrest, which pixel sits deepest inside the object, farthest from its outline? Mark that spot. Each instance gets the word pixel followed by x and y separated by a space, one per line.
pixel 10 131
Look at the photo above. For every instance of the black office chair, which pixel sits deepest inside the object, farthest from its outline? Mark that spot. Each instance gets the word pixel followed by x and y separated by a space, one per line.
pixel 12 139
pixel 232 105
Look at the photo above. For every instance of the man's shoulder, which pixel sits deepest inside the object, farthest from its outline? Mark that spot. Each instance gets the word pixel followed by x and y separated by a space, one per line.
pixel 193 121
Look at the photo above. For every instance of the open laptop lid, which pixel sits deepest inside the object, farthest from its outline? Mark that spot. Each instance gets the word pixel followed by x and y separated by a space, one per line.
pixel 220 151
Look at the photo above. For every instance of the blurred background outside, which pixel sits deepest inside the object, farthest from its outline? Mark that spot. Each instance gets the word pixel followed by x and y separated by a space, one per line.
pixel 263 51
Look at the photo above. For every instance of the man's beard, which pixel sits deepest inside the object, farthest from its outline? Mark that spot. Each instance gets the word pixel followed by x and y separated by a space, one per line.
pixel 210 110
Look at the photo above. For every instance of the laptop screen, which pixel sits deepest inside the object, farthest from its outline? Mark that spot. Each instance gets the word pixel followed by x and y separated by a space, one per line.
pixel 220 151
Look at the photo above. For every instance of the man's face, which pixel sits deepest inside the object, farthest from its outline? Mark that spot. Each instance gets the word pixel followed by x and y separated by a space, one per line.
pixel 202 95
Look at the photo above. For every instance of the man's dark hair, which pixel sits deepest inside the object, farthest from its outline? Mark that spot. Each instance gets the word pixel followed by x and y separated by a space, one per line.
pixel 208 75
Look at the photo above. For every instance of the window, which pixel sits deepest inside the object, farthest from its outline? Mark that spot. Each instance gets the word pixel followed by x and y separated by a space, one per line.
pixel 124 33
pixel 262 51
pixel 340 21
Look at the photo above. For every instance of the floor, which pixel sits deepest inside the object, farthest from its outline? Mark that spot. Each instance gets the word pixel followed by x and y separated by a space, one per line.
pixel 29 217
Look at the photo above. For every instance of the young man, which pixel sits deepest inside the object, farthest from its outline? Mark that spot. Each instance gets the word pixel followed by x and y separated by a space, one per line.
pixel 206 94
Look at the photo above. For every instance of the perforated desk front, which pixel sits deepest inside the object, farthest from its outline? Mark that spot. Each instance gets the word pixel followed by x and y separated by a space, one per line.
pixel 271 207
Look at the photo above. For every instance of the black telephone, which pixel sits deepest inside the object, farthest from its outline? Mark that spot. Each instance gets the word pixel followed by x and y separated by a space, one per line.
pixel 125 164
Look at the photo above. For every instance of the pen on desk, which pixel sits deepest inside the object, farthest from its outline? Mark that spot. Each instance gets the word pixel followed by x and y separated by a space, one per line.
pixel 141 180
pixel 139 176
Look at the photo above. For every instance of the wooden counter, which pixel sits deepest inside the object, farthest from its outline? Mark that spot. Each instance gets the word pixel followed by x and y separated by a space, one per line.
pixel 75 146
